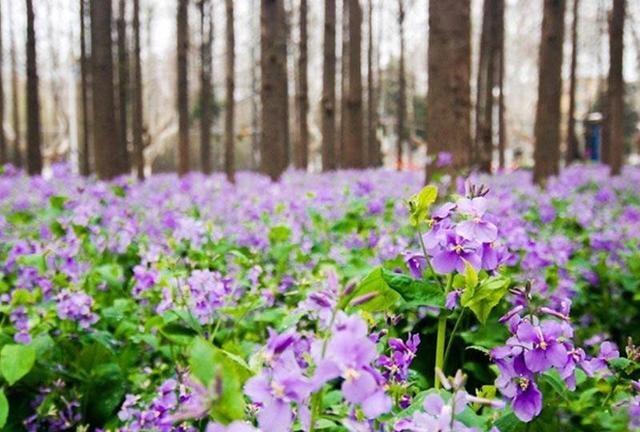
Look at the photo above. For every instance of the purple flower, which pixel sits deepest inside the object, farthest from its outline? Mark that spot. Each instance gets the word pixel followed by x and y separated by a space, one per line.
pixel 20 321
pixel 455 251
pixel 476 228
pixel 76 306
pixel 516 383
pixel 543 349
pixel 349 354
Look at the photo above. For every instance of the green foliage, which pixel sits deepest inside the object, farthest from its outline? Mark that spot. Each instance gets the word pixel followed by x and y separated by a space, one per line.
pixel 16 361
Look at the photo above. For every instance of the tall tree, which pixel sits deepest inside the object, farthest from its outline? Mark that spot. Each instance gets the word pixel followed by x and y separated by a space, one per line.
pixel 109 159
pixel 344 82
pixel 34 134
pixel 84 159
pixel 354 145
pixel 137 120
pixel 123 78
pixel 502 132
pixel 229 119
pixel 329 87
pixel 301 147
pixel 4 154
pixel 255 88
pixel 449 69
pixel 373 145
pixel 183 86
pixel 573 152
pixel 206 32
pixel 614 150
pixel 547 124
pixel 488 79
pixel 15 93
pixel 274 139
pixel 402 90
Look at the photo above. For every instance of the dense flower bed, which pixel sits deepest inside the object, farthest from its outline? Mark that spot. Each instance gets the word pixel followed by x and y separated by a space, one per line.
pixel 351 301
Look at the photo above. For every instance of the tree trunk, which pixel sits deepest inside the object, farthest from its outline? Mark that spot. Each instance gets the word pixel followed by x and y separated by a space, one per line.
pixel 502 132
pixel 573 152
pixel 344 83
pixel 34 134
pixel 15 96
pixel 373 145
pixel 229 119
pixel 183 87
pixel 329 88
pixel 109 159
pixel 301 147
pixel 137 121
pixel 206 33
pixel 85 152
pixel 449 70
pixel 354 144
pixel 547 124
pixel 255 91
pixel 123 79
pixel 4 154
pixel 615 89
pixel 274 139
pixel 402 91
pixel 488 79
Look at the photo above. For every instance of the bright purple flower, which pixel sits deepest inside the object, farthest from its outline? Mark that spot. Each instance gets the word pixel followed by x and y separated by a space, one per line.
pixel 476 228
pixel 454 253
pixel 516 383
pixel 76 306
pixel 543 348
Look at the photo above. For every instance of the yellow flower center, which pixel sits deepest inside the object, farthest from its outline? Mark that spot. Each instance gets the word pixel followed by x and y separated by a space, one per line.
pixel 351 374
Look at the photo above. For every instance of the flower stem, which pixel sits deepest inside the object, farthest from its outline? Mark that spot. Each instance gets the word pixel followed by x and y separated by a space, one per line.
pixel 452 335
pixel 442 333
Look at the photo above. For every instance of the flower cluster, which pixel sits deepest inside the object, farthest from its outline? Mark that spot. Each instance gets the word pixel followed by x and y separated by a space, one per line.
pixel 20 321
pixel 76 306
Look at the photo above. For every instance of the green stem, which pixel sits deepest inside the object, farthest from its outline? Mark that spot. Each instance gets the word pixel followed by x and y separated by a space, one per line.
pixel 442 333
pixel 316 399
pixel 452 335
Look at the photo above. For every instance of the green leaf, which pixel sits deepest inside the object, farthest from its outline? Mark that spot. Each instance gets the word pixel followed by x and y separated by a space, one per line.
pixel 57 202
pixel 4 409
pixel 470 276
pixel 415 292
pixel 16 361
pixel 552 377
pixel 374 282
pixel 208 364
pixel 485 297
pixel 279 234
pixel 112 274
pixel 33 260
pixel 420 203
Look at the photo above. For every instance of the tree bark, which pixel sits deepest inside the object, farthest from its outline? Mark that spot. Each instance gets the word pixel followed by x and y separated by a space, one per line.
pixel 109 158
pixel 329 88
pixel 502 131
pixel 488 79
pixel 15 96
pixel 573 152
pixel 34 134
pixel 85 152
pixel 354 144
pixel 344 83
pixel 123 79
pixel 206 33
pixel 137 121
pixel 373 145
pixel 615 89
pixel 229 119
pixel 449 70
pixel 274 139
pixel 4 153
pixel 301 147
pixel 547 123
pixel 402 91
pixel 183 86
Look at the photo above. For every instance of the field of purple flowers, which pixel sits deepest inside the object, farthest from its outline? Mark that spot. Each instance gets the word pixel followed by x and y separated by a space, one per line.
pixel 356 300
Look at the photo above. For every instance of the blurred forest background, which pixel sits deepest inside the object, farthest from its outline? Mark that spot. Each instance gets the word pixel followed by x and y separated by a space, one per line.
pixel 147 86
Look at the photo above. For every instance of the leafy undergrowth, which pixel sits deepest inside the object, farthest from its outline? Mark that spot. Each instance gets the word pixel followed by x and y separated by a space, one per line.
pixel 356 300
